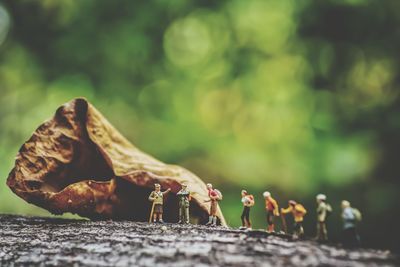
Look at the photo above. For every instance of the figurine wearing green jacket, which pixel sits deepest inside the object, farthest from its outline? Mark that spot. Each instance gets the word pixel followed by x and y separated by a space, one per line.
pixel 184 202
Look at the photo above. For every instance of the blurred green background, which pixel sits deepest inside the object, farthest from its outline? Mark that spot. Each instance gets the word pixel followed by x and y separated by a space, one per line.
pixel 294 97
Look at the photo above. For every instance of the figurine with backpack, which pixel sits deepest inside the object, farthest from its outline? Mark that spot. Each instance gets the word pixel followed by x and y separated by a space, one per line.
pixel 351 216
pixel 215 195
pixel 298 211
pixel 248 202
pixel 272 210
pixel 323 212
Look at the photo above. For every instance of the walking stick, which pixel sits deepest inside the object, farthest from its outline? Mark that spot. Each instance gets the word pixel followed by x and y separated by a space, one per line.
pixel 284 223
pixel 151 212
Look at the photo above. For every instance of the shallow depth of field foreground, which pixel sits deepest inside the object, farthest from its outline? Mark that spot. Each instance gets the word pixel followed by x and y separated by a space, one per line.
pixel 56 242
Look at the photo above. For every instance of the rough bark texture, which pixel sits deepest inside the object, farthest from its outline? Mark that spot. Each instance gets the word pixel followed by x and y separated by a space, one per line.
pixel 37 241
pixel 78 162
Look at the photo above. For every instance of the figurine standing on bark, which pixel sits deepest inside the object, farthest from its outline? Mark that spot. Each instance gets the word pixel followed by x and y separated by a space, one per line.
pixel 298 212
pixel 248 202
pixel 157 197
pixel 184 200
pixel 272 209
pixel 350 218
pixel 215 196
pixel 323 211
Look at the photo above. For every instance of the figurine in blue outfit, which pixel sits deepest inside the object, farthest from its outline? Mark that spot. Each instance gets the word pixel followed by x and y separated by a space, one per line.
pixel 351 216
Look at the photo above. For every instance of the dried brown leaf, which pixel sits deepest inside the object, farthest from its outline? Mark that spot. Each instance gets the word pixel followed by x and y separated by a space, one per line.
pixel 78 162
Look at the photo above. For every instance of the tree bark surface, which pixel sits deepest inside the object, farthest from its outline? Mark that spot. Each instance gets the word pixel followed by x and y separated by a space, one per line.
pixel 40 241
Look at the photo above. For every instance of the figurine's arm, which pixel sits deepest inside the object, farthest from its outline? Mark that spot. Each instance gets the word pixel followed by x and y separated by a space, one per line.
pixel 151 197
pixel 287 210
pixel 166 191
pixel 213 197
pixel 276 208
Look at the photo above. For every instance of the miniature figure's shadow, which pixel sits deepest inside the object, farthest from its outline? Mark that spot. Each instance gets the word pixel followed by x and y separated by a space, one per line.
pixel 134 204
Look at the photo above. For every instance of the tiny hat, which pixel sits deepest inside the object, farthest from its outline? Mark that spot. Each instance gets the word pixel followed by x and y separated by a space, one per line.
pixel 157 185
pixel 292 202
pixel 244 192
pixel 184 185
pixel 321 197
pixel 266 194
pixel 209 185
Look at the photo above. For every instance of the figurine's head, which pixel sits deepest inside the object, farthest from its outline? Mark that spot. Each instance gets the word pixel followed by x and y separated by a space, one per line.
pixel 345 204
pixel 157 187
pixel 184 186
pixel 266 194
pixel 209 186
pixel 292 203
pixel 321 198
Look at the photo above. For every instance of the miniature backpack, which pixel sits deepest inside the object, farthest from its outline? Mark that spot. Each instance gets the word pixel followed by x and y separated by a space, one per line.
pixel 357 214
pixel 251 200
pixel 300 209
pixel 219 194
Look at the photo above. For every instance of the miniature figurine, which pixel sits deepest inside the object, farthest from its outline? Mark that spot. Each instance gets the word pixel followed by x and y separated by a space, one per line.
pixel 215 196
pixel 350 218
pixel 323 211
pixel 272 209
pixel 184 199
pixel 157 197
pixel 248 202
pixel 298 212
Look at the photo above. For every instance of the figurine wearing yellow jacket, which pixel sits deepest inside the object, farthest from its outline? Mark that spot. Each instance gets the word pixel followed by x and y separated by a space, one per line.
pixel 298 212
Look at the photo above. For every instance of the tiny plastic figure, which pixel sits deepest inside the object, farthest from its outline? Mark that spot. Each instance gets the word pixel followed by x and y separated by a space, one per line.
pixel 248 202
pixel 323 211
pixel 298 212
pixel 350 218
pixel 184 200
pixel 157 197
pixel 272 209
pixel 215 196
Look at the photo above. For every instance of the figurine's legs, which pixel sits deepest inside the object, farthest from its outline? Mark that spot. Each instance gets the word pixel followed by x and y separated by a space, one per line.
pixel 248 218
pixel 270 221
pixel 213 212
pixel 301 229
pixel 210 219
pixel 180 215
pixel 214 223
pixel 298 229
pixel 350 237
pixel 243 216
pixel 186 217
pixel 322 233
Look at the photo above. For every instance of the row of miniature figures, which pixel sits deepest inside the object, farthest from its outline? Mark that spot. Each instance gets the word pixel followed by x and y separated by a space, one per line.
pixel 351 216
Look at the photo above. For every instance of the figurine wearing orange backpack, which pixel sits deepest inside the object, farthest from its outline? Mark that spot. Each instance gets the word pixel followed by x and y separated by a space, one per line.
pixel 298 212
pixel 248 202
